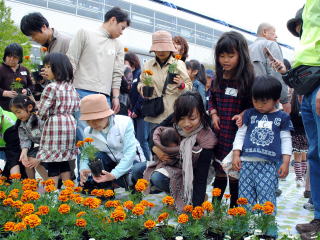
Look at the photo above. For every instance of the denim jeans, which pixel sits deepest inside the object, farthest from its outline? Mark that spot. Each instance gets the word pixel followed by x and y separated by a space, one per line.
pixel 311 122
pixel 157 179
pixel 140 125
pixel 147 134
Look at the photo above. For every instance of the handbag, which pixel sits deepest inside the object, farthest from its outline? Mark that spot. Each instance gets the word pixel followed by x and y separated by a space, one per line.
pixel 154 107
pixel 303 79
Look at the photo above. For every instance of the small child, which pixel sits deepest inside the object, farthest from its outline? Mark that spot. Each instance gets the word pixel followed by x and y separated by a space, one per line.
pixel 59 101
pixel 263 140
pixel 197 75
pixel 29 127
pixel 170 138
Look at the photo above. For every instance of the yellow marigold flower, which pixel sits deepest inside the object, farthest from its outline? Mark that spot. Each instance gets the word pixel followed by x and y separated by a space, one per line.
pixel 50 188
pixel 15 176
pixel 216 192
pixel 128 205
pixel 88 140
pixel 168 200
pixel 207 206
pixel 118 216
pixel 27 208
pixel 78 189
pixel 43 210
pixel 242 201
pixel 108 193
pixel 48 182
pixel 17 204
pixel 163 216
pixel 81 222
pixel 178 56
pixel 188 208
pixel 149 224
pixel 68 183
pixel 92 202
pixel 64 208
pixel 227 196
pixel 7 201
pixel 20 226
pixel 2 195
pixel 138 210
pixel 257 207
pixel 183 218
pixel 29 187
pixel 9 226
pixel 197 212
pixel 32 220
pixel 148 72
pixel 79 214
pixel 267 209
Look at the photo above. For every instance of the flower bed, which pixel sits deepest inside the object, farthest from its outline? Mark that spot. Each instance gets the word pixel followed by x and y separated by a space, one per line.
pixel 68 215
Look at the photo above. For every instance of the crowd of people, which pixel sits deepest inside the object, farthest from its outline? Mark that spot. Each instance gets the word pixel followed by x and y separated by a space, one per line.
pixel 170 120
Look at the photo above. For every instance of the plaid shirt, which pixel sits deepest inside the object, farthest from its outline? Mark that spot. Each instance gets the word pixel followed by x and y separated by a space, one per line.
pixel 227 106
pixel 58 141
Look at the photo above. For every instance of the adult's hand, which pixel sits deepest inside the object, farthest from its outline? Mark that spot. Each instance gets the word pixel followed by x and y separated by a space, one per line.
pixel 116 105
pixel 278 66
pixel 84 176
pixel 160 154
pixel 9 94
pixel 318 102
pixel 178 80
pixel 104 177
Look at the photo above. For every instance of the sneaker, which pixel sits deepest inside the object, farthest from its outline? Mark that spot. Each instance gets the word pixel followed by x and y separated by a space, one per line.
pixel 313 226
pixel 278 192
pixel 308 206
pixel 300 182
pixel 306 194
pixel 309 235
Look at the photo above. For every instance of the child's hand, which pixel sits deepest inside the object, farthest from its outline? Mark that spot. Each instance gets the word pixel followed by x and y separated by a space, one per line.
pixel 84 176
pixel 238 119
pixel 236 162
pixel 216 121
pixel 283 170
pixel 24 158
pixel 160 154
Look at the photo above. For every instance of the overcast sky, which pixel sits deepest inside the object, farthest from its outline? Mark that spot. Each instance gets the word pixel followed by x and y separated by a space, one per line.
pixel 248 14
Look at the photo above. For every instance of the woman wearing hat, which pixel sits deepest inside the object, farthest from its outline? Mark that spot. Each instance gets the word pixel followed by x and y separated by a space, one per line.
pixel 11 70
pixel 162 46
pixel 114 136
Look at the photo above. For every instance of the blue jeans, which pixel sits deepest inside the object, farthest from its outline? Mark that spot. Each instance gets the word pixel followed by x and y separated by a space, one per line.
pixel 147 134
pixel 140 126
pixel 311 122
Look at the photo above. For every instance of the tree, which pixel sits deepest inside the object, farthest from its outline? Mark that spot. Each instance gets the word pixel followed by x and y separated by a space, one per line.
pixel 10 33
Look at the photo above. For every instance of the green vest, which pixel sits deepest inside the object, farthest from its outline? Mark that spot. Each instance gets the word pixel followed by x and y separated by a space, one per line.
pixel 8 119
pixel 308 53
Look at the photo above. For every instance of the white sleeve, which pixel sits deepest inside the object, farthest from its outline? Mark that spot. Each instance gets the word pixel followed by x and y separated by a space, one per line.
pixel 239 139
pixel 286 142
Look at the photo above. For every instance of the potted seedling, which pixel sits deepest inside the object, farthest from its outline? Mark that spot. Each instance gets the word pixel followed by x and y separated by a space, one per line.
pixel 172 71
pixel 148 88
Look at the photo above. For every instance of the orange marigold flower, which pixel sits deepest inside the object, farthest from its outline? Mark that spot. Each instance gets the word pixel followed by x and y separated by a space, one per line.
pixel 44 49
pixel 27 57
pixel 2 195
pixel 14 194
pixel 178 56
pixel 227 196
pixel 149 224
pixel 183 218
pixel 68 183
pixel 74 196
pixel 88 140
pixel 32 220
pixel 241 211
pixel 207 206
pixel 15 175
pixel 168 200
pixel 126 49
pixel 64 208
pixel 257 207
pixel 108 193
pixel 268 203
pixel 63 198
pixel 148 72
pixel 141 185
pixel 232 211
pixel 18 79
pixel 79 214
pixel 48 182
pixel 20 226
pixel 78 189
pixel 128 205
pixel 29 195
pixel 242 201
pixel 138 210
pixel 145 203
pixel 27 208
pixel 78 200
pixel 81 222
pixel 151 204
pixel 80 143
pixel 7 201
pixel 118 216
pixel 43 210
pixel 267 209
pixel 97 192
pixel 197 212
pixel 17 204
pixel 188 208
pixel 163 216
pixel 216 192
pixel 29 181
pixel 50 188
pixel 92 202
pixel 29 187
pixel 9 226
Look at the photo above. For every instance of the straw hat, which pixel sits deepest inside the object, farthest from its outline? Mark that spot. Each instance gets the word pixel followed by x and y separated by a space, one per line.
pixel 162 41
pixel 94 106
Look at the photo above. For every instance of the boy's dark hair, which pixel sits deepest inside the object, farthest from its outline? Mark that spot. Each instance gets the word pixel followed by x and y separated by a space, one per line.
pixel 186 103
pixel 33 22
pixel 60 66
pixel 119 14
pixel 22 102
pixel 168 136
pixel 265 88
pixel 133 60
pixel 230 42
pixel 15 50
pixel 196 65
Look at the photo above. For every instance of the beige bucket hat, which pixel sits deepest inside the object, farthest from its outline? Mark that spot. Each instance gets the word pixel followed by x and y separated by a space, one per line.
pixel 94 106
pixel 162 41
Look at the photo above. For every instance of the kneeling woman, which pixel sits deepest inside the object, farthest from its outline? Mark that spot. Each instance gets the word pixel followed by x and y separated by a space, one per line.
pixel 114 136
pixel 185 181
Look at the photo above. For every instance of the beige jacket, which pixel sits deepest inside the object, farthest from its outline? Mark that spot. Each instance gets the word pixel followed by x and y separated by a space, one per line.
pixel 59 42
pixel 97 60
pixel 172 91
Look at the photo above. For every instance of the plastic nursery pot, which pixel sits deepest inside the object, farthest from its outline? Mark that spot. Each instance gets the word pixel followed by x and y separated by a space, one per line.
pixel 147 91
pixel 96 167
pixel 171 76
